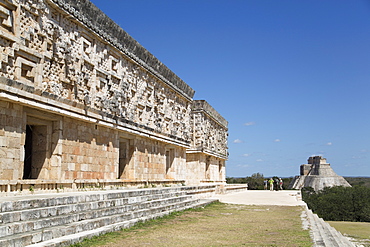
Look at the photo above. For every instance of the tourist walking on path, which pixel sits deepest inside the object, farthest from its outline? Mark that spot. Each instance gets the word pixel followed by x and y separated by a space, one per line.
pixel 265 184
pixel 277 184
pixel 281 183
pixel 271 181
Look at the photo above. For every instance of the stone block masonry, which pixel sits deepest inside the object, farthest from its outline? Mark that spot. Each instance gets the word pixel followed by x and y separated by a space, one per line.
pixel 67 218
pixel 83 104
pixel 208 149
pixel 317 174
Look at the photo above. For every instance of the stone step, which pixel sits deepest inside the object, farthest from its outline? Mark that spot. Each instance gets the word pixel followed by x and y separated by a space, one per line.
pixel 325 235
pixel 49 218
pixel 78 237
pixel 323 239
pixel 63 209
pixel 339 238
pixel 74 216
pixel 18 203
pixel 49 233
pixel 320 229
pixel 330 234
pixel 315 232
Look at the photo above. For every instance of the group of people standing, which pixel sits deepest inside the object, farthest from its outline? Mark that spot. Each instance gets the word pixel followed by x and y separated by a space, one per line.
pixel 278 182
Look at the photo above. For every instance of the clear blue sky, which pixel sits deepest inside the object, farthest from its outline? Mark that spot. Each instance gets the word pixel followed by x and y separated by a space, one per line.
pixel 291 77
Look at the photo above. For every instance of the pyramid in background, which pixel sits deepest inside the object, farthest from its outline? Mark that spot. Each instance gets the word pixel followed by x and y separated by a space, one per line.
pixel 317 174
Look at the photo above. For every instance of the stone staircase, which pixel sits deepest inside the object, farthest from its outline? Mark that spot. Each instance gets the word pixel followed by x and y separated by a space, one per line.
pixel 325 235
pixel 67 218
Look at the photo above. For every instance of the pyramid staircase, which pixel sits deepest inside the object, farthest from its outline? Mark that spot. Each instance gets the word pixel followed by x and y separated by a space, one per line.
pixel 67 218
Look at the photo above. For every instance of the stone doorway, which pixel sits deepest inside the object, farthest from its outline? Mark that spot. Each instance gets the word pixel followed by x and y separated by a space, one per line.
pixel 208 168
pixel 28 153
pixel 170 157
pixel 122 158
pixel 220 166
pixel 35 150
pixel 126 151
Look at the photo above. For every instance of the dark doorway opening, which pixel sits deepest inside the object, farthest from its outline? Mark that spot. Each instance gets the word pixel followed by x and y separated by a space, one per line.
pixel 122 159
pixel 170 157
pixel 28 154
pixel 35 150
pixel 126 151
pixel 208 165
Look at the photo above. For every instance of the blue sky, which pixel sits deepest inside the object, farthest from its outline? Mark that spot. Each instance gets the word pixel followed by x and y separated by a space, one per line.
pixel 292 77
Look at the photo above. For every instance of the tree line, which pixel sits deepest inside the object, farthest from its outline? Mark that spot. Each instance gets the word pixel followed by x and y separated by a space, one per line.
pixel 339 203
pixel 332 203
pixel 256 181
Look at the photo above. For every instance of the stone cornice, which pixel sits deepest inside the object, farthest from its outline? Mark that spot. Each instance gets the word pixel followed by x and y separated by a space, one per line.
pixel 207 152
pixel 203 106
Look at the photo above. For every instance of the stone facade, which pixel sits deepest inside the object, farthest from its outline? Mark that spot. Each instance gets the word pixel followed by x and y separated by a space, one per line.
pixel 82 102
pixel 317 174
pixel 208 151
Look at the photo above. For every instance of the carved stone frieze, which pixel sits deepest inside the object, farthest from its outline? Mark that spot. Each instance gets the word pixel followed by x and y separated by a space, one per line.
pixel 6 58
pixel 55 52
pixel 209 129
pixel 6 18
pixel 81 99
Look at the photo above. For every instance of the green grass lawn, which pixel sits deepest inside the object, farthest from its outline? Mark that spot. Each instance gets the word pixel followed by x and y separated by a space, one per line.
pixel 215 225
pixel 360 231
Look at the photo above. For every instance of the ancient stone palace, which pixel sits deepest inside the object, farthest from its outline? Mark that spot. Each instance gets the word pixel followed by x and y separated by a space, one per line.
pixel 83 104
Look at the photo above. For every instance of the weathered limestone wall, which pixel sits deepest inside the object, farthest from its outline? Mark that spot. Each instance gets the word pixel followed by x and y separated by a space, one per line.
pixel 206 169
pixel 88 151
pixel 56 55
pixel 156 161
pixel 82 101
pixel 11 135
pixel 14 119
pixel 193 163
pixel 208 149
pixel 209 129
pixel 100 153
pixel 215 169
pixel 73 149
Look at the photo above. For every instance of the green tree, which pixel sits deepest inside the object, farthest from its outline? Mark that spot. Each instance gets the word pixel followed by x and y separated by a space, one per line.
pixel 339 203
pixel 255 182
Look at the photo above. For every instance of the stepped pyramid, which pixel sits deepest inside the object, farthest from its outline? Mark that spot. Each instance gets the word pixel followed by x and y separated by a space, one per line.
pixel 317 174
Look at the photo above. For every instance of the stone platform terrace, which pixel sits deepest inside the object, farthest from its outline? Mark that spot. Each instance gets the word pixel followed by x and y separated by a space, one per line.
pixel 264 197
pixel 62 219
